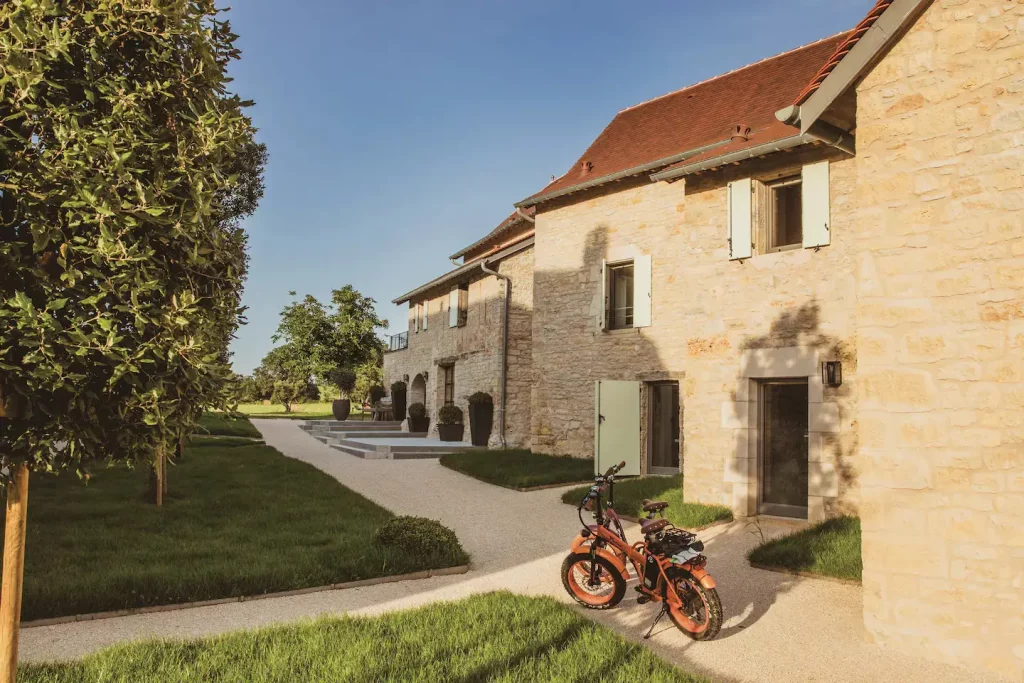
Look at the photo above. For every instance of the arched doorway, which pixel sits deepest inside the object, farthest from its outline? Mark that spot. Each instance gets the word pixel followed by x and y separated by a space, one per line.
pixel 418 390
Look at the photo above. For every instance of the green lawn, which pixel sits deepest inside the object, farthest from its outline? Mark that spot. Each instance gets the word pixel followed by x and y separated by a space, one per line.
pixel 238 520
pixel 831 548
pixel 301 411
pixel 493 637
pixel 224 424
pixel 519 468
pixel 630 493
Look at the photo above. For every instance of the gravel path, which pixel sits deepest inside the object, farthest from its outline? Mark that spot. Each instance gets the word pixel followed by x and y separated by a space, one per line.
pixel 777 627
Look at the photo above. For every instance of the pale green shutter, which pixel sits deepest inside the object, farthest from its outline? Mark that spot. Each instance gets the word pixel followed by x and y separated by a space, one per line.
pixel 642 291
pixel 740 219
pixel 816 219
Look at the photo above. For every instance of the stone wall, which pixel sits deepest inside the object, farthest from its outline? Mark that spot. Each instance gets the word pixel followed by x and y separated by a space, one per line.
pixel 714 323
pixel 940 255
pixel 474 350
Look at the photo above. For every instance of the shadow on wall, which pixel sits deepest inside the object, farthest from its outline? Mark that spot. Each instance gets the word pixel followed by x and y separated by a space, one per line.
pixel 571 353
pixel 800 328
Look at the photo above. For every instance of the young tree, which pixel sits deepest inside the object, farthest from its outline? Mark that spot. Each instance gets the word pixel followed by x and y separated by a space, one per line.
pixel 283 377
pixel 340 335
pixel 120 277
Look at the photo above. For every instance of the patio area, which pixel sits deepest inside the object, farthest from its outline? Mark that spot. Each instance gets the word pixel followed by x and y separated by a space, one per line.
pixel 379 440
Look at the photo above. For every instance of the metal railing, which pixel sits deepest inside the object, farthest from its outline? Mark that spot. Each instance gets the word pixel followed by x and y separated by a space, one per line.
pixel 397 342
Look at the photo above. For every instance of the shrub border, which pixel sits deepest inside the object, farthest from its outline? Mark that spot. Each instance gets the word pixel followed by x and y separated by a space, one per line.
pixel 425 574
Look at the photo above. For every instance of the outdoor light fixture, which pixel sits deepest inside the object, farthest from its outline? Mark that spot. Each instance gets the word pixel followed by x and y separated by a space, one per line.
pixel 831 373
pixel 405 378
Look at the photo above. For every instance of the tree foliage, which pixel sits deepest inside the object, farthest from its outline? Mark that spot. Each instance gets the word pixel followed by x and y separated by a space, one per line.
pixel 121 261
pixel 342 334
pixel 282 377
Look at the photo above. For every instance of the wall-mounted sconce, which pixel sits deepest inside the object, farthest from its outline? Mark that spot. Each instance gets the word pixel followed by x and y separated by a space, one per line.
pixel 832 373
pixel 405 378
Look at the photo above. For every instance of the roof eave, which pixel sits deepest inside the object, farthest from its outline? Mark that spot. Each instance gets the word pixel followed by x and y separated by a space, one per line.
pixel 483 240
pixel 466 269
pixel 618 175
pixel 888 27
pixel 734 157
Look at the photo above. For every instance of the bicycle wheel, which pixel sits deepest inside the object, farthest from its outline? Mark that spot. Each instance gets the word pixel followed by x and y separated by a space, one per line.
pixel 701 614
pixel 602 591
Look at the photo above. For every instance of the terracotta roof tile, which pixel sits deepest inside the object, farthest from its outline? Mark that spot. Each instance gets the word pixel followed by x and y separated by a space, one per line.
pixel 843 49
pixel 702 114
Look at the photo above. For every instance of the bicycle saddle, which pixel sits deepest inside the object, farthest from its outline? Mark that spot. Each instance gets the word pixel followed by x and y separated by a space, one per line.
pixel 652 526
pixel 654 505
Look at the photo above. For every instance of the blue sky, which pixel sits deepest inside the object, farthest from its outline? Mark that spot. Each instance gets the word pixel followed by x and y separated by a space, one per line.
pixel 401 131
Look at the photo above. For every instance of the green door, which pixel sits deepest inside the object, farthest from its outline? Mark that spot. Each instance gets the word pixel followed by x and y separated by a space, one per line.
pixel 617 426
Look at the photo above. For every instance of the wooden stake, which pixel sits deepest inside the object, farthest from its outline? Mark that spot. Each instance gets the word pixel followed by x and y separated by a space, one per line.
pixel 159 467
pixel 13 573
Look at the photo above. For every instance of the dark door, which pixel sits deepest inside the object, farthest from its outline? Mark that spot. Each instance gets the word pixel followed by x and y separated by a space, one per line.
pixel 784 448
pixel 664 428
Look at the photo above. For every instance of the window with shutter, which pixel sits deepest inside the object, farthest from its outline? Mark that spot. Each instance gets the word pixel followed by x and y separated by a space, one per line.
pixel 426 311
pixel 642 291
pixel 453 307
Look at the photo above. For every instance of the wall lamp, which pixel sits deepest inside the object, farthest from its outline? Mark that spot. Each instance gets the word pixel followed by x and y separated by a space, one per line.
pixel 831 373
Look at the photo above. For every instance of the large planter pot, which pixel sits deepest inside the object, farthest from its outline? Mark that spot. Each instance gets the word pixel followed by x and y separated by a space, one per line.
pixel 419 425
pixel 481 420
pixel 450 432
pixel 341 408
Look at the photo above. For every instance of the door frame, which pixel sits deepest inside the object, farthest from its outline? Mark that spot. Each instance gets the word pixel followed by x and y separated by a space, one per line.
pixel 649 468
pixel 777 509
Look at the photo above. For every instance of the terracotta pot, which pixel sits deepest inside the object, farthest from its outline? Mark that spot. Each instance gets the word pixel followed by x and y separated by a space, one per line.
pixel 341 408
pixel 450 432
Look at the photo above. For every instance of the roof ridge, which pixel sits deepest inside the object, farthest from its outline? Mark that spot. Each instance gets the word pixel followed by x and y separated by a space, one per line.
pixel 741 68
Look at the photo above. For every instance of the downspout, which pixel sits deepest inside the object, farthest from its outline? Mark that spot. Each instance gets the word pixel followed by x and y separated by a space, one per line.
pixel 504 346
pixel 521 214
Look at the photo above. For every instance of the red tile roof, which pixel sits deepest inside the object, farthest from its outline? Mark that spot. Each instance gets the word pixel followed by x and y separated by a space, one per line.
pixel 701 115
pixel 843 49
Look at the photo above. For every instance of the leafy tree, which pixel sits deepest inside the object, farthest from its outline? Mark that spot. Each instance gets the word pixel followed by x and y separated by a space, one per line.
pixel 345 380
pixel 342 334
pixel 283 378
pixel 368 375
pixel 121 266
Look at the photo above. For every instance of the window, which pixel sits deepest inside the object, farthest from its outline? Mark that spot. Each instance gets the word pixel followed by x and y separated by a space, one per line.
pixel 449 384
pixel 620 293
pixel 780 213
pixel 626 291
pixel 426 310
pixel 785 229
pixel 415 317
pixel 458 306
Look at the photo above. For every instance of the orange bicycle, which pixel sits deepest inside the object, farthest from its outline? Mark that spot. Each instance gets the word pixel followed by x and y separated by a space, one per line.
pixel 669 563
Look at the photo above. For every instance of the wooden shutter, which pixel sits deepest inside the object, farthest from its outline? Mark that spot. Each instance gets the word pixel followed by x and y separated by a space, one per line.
pixel 816 220
pixel 453 307
pixel 426 313
pixel 762 216
pixel 602 316
pixel 415 309
pixel 642 291
pixel 740 240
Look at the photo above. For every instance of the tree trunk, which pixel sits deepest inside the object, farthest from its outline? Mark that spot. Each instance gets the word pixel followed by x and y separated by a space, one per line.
pixel 181 447
pixel 163 475
pixel 13 573
pixel 156 479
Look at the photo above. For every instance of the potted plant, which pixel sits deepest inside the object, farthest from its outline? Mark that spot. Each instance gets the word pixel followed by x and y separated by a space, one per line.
pixel 449 423
pixel 481 418
pixel 398 400
pixel 345 380
pixel 418 420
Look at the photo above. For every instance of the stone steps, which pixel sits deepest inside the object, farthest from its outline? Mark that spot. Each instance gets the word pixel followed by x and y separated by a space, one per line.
pixel 350 425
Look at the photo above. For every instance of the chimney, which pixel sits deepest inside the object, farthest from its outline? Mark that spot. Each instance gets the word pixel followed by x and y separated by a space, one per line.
pixel 586 167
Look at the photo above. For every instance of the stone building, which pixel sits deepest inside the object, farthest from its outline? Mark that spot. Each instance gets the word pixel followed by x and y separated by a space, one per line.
pixel 457 341
pixel 801 283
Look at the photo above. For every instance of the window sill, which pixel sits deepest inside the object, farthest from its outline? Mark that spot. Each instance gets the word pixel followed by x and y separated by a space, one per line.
pixel 621 332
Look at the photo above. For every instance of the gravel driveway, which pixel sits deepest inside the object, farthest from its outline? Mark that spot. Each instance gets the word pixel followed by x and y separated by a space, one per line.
pixel 777 627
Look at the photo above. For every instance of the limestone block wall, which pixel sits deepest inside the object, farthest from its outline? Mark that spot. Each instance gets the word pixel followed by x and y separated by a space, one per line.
pixel 940 253
pixel 474 350
pixel 708 315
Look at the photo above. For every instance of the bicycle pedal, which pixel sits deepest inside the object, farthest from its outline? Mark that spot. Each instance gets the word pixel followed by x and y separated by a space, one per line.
pixel 643 600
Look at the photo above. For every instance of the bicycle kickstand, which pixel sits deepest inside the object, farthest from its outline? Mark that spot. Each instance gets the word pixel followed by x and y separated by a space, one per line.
pixel 664 608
